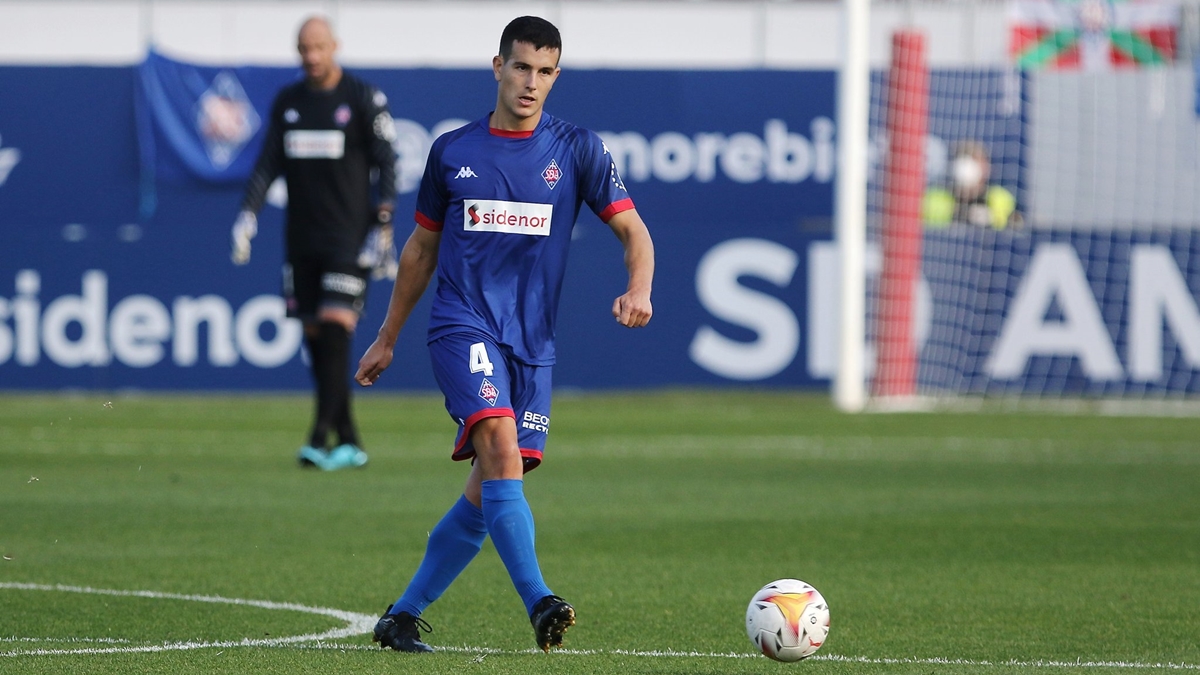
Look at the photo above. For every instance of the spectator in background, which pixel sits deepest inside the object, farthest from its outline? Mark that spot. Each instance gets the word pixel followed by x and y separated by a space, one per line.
pixel 326 135
pixel 969 199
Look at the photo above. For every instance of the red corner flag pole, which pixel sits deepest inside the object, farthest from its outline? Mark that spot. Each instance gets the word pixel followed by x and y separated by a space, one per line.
pixel 904 186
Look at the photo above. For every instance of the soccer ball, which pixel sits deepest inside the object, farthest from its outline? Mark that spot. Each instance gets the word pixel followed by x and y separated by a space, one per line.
pixel 787 620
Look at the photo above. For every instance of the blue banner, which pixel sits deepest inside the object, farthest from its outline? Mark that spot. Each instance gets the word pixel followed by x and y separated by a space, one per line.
pixel 1096 313
pixel 733 172
pixel 99 292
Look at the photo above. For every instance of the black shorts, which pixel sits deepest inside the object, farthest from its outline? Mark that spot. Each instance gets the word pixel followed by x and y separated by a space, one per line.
pixel 310 284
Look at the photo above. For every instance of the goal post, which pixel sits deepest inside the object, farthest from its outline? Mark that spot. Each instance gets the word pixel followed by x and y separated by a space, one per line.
pixel 907 120
pixel 853 98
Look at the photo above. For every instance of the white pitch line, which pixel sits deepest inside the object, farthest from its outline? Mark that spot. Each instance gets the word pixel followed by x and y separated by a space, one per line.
pixel 1039 663
pixel 671 653
pixel 115 641
pixel 358 624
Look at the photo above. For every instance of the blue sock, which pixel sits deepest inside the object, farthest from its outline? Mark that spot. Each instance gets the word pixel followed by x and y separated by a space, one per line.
pixel 453 543
pixel 510 524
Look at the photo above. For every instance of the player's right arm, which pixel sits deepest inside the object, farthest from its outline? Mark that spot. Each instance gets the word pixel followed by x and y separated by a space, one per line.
pixel 266 169
pixel 418 260
pixel 269 164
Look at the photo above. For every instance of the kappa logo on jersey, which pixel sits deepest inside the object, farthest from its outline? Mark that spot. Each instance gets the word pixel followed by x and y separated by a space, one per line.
pixel 613 173
pixel 466 172
pixel 616 178
pixel 341 116
pixel 488 392
pixel 487 215
pixel 552 174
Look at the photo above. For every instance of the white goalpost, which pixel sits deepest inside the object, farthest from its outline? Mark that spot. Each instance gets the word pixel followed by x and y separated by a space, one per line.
pixel 850 204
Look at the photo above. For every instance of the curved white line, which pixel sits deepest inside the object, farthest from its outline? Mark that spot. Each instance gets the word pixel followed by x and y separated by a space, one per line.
pixel 356 624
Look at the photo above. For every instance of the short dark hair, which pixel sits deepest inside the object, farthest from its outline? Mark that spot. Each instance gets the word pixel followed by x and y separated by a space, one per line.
pixel 533 30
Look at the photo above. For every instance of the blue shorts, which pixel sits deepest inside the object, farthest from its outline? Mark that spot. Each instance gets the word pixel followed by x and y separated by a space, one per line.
pixel 480 380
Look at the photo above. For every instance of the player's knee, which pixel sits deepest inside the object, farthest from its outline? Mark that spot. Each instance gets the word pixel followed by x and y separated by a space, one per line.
pixel 495 442
pixel 495 435
pixel 346 318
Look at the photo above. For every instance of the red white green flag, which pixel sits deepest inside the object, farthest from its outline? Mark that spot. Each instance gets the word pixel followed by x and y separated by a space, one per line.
pixel 1092 34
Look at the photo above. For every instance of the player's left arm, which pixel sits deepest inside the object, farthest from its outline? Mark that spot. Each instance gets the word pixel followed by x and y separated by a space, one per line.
pixel 379 250
pixel 633 308
pixel 381 132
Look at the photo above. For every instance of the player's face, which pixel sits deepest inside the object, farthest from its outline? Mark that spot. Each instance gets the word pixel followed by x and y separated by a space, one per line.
pixel 526 78
pixel 316 46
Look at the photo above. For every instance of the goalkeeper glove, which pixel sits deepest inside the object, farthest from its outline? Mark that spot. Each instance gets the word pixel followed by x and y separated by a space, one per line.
pixel 378 252
pixel 244 229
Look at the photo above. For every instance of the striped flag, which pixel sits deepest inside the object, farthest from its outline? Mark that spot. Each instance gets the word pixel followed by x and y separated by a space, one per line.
pixel 1092 35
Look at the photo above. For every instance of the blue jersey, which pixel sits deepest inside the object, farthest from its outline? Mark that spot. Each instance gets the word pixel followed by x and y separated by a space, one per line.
pixel 506 203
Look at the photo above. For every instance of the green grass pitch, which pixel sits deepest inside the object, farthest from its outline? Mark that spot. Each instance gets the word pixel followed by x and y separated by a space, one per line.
pixel 992 542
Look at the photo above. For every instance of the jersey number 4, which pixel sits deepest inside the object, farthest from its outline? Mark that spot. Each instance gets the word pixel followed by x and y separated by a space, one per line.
pixel 479 361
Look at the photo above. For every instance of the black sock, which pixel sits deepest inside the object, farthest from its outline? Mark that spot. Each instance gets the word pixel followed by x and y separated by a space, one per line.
pixel 316 358
pixel 333 383
pixel 346 430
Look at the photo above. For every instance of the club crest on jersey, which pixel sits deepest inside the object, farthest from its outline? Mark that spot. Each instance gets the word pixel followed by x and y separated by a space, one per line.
pixel 341 116
pixel 552 174
pixel 488 392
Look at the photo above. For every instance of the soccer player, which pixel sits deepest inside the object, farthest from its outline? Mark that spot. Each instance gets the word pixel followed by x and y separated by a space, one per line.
pixel 326 135
pixel 495 211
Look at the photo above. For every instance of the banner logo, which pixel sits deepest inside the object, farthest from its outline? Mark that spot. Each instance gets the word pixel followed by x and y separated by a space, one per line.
pixel 225 119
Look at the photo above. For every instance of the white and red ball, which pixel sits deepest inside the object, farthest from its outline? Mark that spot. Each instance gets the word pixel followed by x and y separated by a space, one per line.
pixel 787 620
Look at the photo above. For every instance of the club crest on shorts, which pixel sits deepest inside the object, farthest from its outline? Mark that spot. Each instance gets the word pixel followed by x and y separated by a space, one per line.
pixel 552 174
pixel 488 392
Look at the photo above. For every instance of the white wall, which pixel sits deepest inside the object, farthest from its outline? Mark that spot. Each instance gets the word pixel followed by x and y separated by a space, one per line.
pixel 718 34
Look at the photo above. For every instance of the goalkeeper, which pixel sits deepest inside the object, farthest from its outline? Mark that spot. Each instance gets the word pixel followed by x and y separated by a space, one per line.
pixel 326 135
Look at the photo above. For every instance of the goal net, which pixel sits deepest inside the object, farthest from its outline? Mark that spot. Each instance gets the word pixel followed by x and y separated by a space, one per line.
pixel 1031 225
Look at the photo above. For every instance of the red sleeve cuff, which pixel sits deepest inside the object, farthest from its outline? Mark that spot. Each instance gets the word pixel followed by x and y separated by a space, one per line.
pixel 427 222
pixel 615 208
